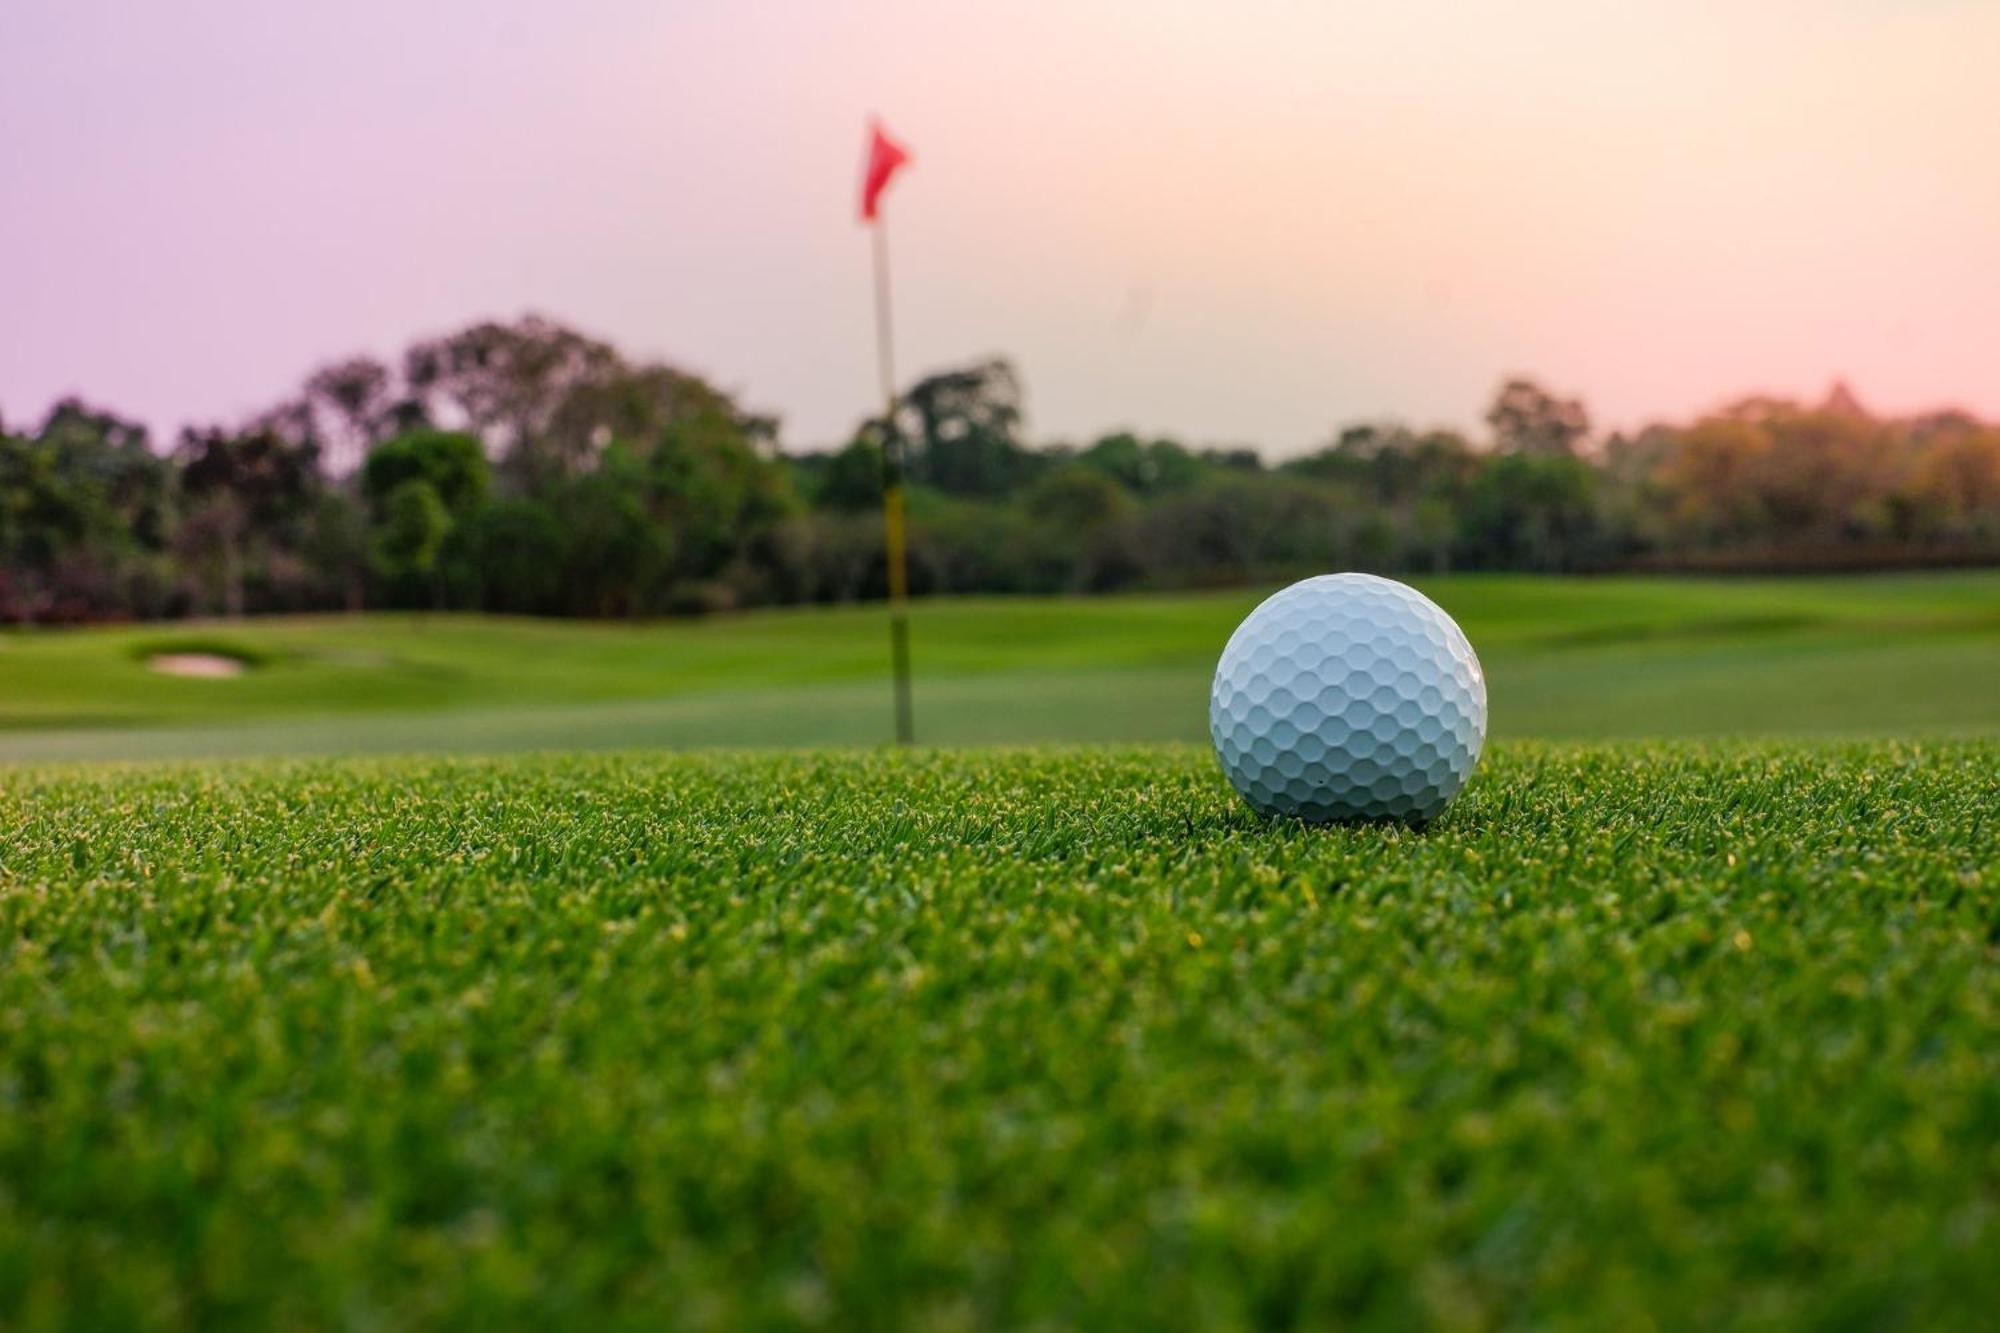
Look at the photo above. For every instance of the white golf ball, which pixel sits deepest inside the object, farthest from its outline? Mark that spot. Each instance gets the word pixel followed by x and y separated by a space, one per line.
pixel 1348 696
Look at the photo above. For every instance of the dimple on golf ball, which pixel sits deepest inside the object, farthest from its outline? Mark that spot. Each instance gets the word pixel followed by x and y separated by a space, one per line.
pixel 1348 697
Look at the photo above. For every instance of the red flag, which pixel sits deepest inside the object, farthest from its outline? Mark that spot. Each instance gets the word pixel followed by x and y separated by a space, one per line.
pixel 885 157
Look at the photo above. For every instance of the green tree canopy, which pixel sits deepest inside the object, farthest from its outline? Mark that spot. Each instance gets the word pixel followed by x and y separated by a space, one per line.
pixel 452 463
pixel 412 532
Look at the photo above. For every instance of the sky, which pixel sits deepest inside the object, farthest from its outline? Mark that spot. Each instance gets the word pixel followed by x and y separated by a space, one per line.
pixel 1238 223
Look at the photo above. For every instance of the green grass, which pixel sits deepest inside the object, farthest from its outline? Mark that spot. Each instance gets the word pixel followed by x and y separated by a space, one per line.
pixel 1566 658
pixel 1686 1035
pixel 1694 1033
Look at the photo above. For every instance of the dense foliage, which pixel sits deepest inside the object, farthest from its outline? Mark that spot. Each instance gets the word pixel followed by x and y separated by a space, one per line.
pixel 1692 1036
pixel 527 468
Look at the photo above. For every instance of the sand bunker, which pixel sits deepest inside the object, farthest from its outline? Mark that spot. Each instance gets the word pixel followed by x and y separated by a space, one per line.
pixel 202 666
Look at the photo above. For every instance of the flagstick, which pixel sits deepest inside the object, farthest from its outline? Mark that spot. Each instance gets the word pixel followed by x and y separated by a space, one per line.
pixel 895 543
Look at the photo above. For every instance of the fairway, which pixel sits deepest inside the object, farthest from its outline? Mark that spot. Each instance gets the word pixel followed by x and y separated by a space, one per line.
pixel 1565 659
pixel 1690 1035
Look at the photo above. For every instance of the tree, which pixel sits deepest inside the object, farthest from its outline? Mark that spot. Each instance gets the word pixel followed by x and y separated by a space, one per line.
pixel 1527 419
pixel 1957 475
pixel 1143 468
pixel 247 493
pixel 546 402
pixel 113 458
pixel 84 511
pixel 851 480
pixel 1393 466
pixel 507 384
pixel 966 423
pixel 1709 477
pixel 621 558
pixel 451 462
pixel 513 555
pixel 1529 511
pixel 1825 477
pixel 336 548
pixel 708 482
pixel 412 533
pixel 1077 499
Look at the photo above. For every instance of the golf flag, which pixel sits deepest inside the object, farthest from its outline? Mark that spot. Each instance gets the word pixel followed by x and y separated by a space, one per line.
pixel 885 157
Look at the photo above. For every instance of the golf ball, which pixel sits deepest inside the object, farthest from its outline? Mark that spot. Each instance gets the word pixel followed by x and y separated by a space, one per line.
pixel 1348 696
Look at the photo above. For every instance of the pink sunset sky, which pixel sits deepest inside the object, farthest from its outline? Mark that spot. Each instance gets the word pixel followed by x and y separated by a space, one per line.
pixel 1234 222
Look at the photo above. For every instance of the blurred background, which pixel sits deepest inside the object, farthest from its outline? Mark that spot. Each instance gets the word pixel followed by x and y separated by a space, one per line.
pixel 377 376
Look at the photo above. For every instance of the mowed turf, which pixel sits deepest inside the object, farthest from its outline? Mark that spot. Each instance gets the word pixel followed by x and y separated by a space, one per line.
pixel 1566 658
pixel 1684 1036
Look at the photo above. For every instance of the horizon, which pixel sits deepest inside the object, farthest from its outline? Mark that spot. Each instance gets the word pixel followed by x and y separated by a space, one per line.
pixel 1838 396
pixel 1672 210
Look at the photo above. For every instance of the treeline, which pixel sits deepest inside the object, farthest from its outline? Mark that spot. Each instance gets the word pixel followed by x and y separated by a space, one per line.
pixel 527 468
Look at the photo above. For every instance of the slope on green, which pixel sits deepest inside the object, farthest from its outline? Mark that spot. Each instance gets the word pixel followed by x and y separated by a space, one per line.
pixel 1698 1035
pixel 1566 658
